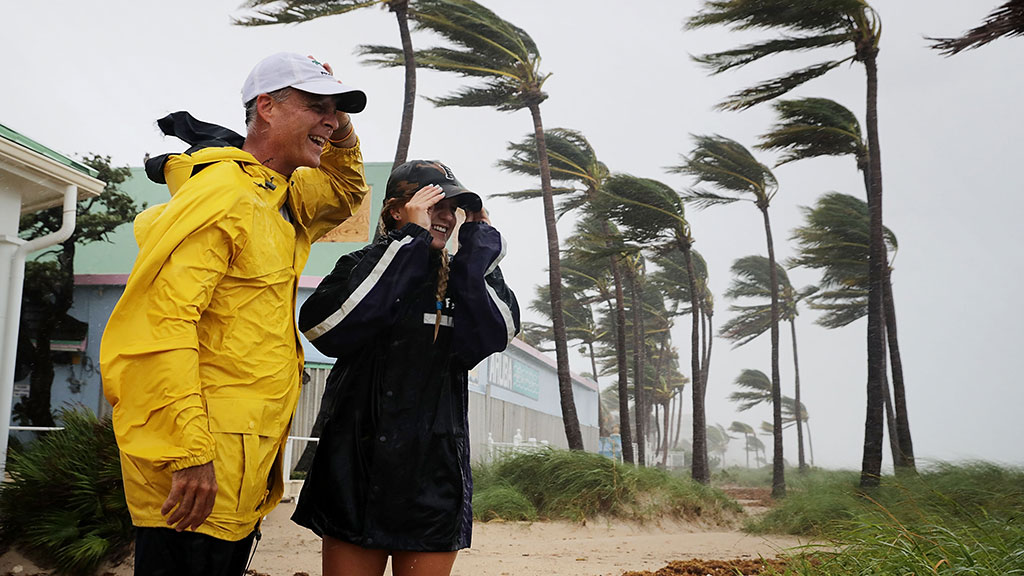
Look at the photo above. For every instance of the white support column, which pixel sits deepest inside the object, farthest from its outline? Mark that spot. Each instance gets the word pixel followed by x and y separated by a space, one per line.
pixel 8 353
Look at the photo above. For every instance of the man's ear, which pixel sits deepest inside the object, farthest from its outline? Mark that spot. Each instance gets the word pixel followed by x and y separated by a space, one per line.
pixel 265 107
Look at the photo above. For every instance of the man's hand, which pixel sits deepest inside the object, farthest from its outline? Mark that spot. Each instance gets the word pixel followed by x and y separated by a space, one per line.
pixel 193 491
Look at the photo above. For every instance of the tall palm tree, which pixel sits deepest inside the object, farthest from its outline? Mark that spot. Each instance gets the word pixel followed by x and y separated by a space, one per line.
pixel 730 168
pixel 673 280
pixel 574 165
pixel 506 63
pixel 652 214
pixel 750 281
pixel 813 127
pixel 1006 20
pixel 834 239
pixel 268 12
pixel 806 26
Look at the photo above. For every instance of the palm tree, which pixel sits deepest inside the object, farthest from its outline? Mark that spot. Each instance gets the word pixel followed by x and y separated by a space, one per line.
pixel 813 127
pixel 718 442
pixel 755 389
pixel 579 321
pixel 730 168
pixel 821 24
pixel 835 241
pixel 506 61
pixel 751 281
pixel 294 11
pixel 673 280
pixel 652 214
pixel 1006 20
pixel 574 165
pixel 748 431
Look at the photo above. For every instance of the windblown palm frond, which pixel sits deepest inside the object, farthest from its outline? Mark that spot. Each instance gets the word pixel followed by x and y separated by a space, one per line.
pixel 807 25
pixel 484 46
pixel 1005 21
pixel 728 166
pixel 756 388
pixel 812 127
pixel 649 212
pixel 267 12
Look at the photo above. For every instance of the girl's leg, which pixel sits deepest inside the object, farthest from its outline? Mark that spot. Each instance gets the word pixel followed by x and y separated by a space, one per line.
pixel 345 559
pixel 422 563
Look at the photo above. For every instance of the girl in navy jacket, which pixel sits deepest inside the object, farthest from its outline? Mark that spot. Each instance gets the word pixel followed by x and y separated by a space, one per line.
pixel 391 475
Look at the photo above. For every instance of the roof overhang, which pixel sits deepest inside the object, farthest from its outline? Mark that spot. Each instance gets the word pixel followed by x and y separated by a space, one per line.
pixel 41 180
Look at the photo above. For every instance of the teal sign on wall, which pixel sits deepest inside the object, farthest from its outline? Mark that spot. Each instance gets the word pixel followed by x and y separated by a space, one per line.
pixel 514 375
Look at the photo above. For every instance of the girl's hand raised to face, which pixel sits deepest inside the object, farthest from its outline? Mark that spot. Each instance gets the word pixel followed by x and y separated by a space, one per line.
pixel 479 216
pixel 417 209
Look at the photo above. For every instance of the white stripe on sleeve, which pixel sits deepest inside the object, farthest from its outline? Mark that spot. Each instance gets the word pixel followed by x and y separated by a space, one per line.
pixel 360 292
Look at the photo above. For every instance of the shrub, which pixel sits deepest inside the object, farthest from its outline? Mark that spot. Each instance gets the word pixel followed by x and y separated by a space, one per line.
pixel 65 501
pixel 561 484
pixel 502 502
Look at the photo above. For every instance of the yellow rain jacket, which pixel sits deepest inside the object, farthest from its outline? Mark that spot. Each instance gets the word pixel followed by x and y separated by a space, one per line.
pixel 200 358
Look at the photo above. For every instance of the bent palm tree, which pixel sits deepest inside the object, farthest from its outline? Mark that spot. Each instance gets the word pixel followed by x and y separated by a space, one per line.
pixel 751 281
pixel 506 61
pixel 293 11
pixel 652 214
pixel 1006 20
pixel 573 163
pixel 808 26
pixel 813 127
pixel 729 167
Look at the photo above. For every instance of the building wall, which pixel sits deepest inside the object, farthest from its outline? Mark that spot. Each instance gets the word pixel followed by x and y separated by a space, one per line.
pixel 516 390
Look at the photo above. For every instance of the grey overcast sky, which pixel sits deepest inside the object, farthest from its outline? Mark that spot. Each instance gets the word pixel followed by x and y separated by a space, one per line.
pixel 93 76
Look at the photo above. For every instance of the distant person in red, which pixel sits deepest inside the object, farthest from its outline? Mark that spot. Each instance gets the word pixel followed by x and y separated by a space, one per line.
pixel 200 357
pixel 391 475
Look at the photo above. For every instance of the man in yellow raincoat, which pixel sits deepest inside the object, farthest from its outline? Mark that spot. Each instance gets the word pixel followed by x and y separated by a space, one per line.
pixel 200 358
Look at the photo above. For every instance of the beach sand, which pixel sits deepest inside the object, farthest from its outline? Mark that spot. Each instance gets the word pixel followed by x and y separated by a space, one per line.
pixel 606 548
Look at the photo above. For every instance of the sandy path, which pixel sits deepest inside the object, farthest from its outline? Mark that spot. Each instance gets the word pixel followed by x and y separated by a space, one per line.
pixel 541 548
pixel 511 549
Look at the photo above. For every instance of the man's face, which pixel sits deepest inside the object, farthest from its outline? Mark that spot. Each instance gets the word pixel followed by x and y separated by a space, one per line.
pixel 299 127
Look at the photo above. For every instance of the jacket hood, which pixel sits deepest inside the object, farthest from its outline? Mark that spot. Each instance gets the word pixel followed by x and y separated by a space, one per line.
pixel 210 143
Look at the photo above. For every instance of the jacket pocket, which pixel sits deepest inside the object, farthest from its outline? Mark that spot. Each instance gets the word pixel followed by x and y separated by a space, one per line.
pixel 247 431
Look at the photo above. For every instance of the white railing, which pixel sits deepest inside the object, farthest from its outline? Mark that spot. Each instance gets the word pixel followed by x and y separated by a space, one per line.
pixel 289 453
pixel 516 446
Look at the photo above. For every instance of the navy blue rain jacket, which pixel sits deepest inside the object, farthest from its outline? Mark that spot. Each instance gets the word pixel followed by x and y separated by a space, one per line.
pixel 392 468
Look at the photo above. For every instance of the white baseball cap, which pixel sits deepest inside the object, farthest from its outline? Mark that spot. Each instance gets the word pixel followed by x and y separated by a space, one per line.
pixel 285 69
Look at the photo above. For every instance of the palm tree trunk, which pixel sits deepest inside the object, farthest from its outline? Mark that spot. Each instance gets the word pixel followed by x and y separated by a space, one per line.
pixel 620 358
pixel 890 421
pixel 799 409
pixel 679 419
pixel 871 464
pixel 709 337
pixel 401 10
pixel 593 368
pixel 778 463
pixel 570 419
pixel 668 420
pixel 810 443
pixel 699 469
pixel 896 366
pixel 638 386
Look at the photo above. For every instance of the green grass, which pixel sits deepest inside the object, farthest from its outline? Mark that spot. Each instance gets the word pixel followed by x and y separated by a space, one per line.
pixel 559 484
pixel 65 501
pixel 949 519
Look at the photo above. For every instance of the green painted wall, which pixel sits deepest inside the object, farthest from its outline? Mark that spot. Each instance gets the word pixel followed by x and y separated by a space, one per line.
pixel 118 255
